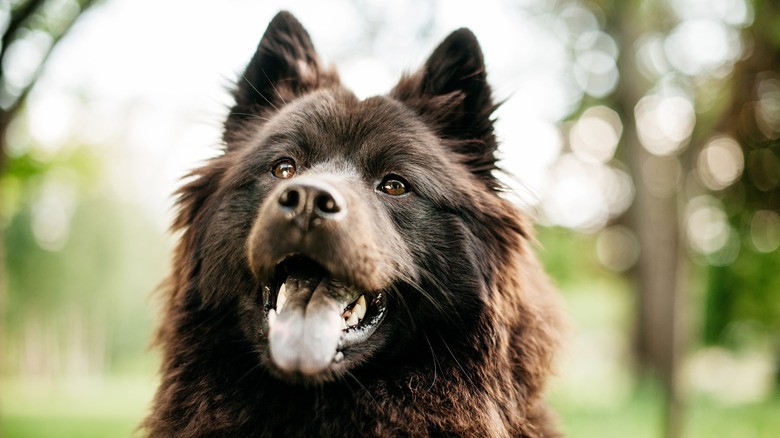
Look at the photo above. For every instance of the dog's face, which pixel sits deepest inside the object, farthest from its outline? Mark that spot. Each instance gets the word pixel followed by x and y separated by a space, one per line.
pixel 349 231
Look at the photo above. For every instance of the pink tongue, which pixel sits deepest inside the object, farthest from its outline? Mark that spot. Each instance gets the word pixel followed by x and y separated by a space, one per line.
pixel 306 333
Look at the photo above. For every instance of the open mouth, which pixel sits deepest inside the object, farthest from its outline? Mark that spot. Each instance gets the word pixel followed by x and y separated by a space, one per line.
pixel 313 317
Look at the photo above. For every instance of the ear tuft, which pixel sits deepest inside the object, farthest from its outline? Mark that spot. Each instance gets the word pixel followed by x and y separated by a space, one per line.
pixel 452 94
pixel 455 65
pixel 285 66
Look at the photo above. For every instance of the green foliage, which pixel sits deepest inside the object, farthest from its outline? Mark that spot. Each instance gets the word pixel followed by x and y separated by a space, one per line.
pixel 568 255
pixel 88 283
pixel 744 294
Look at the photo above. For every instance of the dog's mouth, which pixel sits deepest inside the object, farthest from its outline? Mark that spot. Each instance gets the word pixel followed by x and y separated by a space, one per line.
pixel 314 318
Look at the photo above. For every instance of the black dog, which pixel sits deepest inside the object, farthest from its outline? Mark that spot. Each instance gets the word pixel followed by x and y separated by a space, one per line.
pixel 349 268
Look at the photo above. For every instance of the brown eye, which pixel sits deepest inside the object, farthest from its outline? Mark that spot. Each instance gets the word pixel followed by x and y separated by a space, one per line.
pixel 393 185
pixel 284 169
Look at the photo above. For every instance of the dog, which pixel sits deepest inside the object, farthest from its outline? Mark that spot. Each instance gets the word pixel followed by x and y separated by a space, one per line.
pixel 350 267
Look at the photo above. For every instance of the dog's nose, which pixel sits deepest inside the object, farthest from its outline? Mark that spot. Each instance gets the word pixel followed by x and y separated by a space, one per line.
pixel 310 204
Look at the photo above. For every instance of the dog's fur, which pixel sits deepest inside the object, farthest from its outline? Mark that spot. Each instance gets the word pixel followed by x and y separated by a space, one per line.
pixel 393 197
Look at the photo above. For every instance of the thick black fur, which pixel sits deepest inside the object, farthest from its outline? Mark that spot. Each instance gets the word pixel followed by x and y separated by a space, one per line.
pixel 468 323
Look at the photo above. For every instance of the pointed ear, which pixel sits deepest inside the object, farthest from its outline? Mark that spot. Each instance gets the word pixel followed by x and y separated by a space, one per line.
pixel 452 94
pixel 284 67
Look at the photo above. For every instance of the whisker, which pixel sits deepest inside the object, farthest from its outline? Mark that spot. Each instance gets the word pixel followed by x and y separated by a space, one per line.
pixel 274 86
pixel 254 116
pixel 435 360
pixel 440 309
pixel 405 304
pixel 257 363
pixel 457 362
pixel 255 367
pixel 259 93
pixel 365 390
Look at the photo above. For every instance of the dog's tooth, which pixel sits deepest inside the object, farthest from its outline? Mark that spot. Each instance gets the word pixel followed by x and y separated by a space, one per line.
pixel 338 357
pixel 271 317
pixel 281 297
pixel 360 307
pixel 353 320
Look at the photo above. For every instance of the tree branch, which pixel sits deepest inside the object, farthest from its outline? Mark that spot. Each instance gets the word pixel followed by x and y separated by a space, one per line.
pixel 19 16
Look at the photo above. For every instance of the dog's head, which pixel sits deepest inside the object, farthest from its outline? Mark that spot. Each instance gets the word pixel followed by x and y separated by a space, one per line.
pixel 341 230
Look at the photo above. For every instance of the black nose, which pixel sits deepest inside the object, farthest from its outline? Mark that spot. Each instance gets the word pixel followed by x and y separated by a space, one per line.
pixel 310 204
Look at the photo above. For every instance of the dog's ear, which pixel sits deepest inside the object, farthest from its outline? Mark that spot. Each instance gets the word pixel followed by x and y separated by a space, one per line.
pixel 284 67
pixel 452 94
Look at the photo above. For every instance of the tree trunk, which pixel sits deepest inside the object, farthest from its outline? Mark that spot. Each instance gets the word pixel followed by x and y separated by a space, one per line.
pixel 658 274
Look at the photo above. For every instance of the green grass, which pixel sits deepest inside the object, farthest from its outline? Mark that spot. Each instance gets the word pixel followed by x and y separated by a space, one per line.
pixel 641 416
pixel 757 420
pixel 38 427
pixel 635 415
pixel 114 406
pixel 109 408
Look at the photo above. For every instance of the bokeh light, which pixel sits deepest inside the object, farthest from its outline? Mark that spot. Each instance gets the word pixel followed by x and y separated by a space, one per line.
pixel 735 13
pixel 617 248
pixel 765 231
pixel 53 209
pixel 707 225
pixel 575 198
pixel 699 46
pixel 768 107
pixel 651 57
pixel 596 134
pixel 21 63
pixel 720 163
pixel 595 68
pixel 664 124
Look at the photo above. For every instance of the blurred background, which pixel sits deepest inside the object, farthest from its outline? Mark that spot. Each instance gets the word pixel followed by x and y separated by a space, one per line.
pixel 643 136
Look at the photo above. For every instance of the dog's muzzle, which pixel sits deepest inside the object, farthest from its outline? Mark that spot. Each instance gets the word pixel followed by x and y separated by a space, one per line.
pixel 308 203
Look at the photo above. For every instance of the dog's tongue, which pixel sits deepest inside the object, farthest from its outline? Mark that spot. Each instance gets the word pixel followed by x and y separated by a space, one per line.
pixel 305 335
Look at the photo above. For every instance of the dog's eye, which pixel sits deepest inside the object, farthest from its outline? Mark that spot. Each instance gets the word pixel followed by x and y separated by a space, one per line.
pixel 393 185
pixel 284 169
